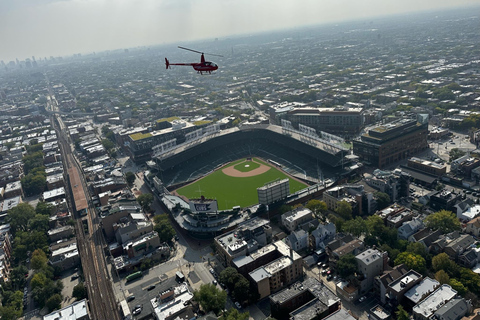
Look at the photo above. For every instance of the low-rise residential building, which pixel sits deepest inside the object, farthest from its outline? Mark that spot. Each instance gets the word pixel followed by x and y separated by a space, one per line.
pixel 323 234
pixel 425 309
pixel 13 189
pixel 60 233
pixel 397 289
pixel 75 311
pixel 307 299
pixel 383 281
pixel 454 309
pixel 297 240
pixel 277 274
pixel 409 228
pixel 370 263
pixel 65 257
pixel 420 291
pixel 292 219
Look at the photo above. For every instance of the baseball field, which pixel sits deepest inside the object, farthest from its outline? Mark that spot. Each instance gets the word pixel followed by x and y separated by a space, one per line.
pixel 236 183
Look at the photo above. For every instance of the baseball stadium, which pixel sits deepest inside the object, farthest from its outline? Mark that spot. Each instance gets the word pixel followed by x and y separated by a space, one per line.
pixel 229 165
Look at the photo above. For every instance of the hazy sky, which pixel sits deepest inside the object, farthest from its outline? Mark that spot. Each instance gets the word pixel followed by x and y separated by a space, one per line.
pixel 42 28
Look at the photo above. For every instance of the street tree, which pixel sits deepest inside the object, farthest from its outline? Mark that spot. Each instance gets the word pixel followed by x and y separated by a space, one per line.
pixel 241 289
pixel 164 228
pixel 229 277
pixel 130 177
pixel 39 260
pixel 145 200
pixel 444 220
pixel 210 298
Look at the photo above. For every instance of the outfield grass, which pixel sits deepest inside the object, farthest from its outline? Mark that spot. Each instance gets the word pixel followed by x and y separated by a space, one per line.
pixel 235 191
pixel 251 166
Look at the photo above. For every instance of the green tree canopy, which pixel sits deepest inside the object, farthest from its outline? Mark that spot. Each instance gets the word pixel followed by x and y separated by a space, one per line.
pixel 39 223
pixel 130 177
pixel 356 227
pixel 54 302
pixel 344 210
pixel 442 277
pixel 229 277
pixel 39 260
pixel 164 228
pixel 210 298
pixel 79 291
pixel 241 289
pixel 412 261
pixel 145 200
pixel 444 220
pixel 19 216
pixel 44 208
pixel 234 314
pixel 347 265
pixel 443 262
pixel 375 225
pixel 383 199
pixel 401 313
pixel 317 207
pixel 458 286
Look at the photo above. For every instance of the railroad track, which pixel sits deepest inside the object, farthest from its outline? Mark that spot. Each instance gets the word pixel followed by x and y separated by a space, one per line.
pixel 102 302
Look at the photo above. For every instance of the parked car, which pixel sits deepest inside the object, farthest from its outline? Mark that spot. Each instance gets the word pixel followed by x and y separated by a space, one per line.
pixel 329 277
pixel 363 298
pixel 130 298
pixel 214 282
pixel 238 305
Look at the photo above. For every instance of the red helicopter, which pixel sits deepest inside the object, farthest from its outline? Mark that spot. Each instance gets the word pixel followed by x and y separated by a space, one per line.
pixel 202 66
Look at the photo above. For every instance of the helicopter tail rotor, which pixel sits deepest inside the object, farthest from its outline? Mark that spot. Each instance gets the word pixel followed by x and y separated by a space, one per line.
pixel 167 64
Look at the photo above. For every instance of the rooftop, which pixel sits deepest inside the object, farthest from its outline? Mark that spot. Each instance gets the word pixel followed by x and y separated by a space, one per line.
pixel 435 301
pixel 76 310
pixel 369 256
pixel 401 283
pixel 417 293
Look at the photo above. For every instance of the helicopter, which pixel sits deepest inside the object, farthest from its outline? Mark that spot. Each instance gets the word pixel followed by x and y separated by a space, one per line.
pixel 200 67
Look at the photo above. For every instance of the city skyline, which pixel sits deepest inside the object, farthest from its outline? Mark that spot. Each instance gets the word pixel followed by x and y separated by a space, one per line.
pixel 59 28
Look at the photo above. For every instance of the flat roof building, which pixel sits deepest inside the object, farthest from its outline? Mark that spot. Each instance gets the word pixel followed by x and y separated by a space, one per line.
pixel 392 142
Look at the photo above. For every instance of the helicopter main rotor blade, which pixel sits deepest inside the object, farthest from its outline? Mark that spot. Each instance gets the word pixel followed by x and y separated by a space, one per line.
pixel 190 50
pixel 210 54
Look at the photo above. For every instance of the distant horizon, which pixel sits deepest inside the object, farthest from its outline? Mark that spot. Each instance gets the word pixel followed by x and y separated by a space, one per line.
pixel 103 45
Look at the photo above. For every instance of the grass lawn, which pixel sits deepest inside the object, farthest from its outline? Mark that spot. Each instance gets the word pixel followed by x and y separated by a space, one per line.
pixel 235 191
